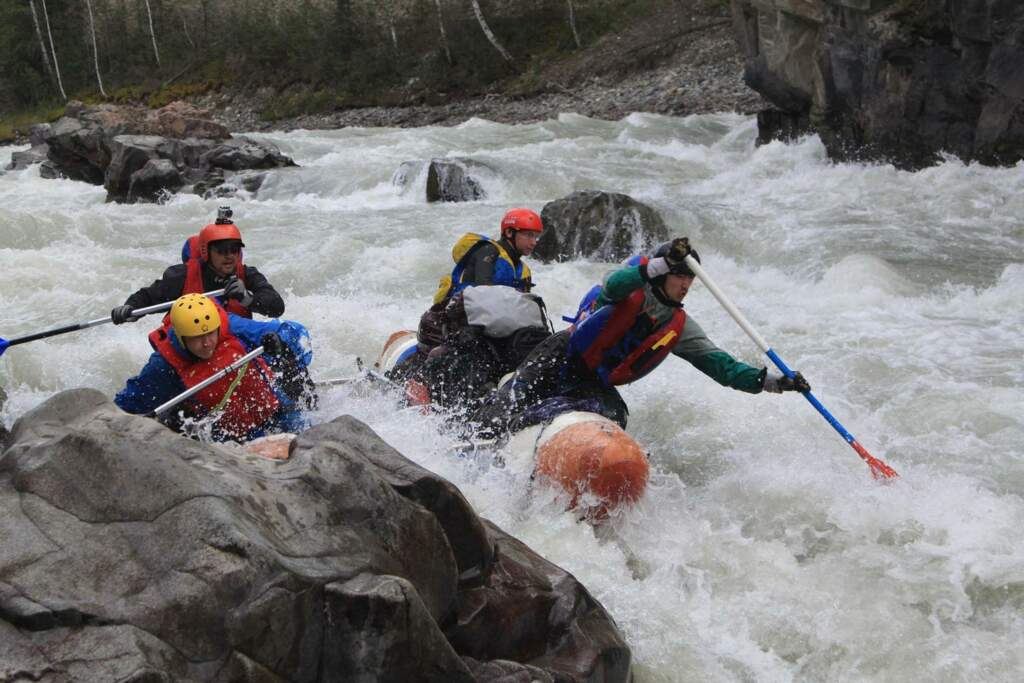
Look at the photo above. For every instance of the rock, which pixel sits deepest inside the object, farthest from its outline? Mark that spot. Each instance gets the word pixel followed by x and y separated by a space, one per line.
pixel 37 134
pixel 604 226
pixel 78 152
pixel 109 144
pixel 890 80
pixel 242 153
pixel 22 160
pixel 456 180
pixel 181 120
pixel 133 553
pixel 49 170
pixel 154 182
pixel 527 606
pixel 129 154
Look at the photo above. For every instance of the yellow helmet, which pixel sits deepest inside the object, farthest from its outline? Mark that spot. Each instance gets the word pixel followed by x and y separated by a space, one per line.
pixel 193 315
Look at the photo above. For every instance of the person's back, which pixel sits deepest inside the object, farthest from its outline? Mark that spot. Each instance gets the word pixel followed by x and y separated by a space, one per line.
pixel 457 362
pixel 214 261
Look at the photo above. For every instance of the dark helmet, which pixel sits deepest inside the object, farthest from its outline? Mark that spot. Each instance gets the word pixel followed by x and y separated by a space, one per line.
pixel 679 268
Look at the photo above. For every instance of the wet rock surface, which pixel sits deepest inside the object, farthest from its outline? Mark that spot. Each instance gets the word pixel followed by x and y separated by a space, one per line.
pixel 131 153
pixel 131 552
pixel 889 80
pixel 602 226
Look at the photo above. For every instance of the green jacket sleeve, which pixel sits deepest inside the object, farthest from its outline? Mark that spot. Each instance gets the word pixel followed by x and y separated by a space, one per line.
pixel 695 348
pixel 620 284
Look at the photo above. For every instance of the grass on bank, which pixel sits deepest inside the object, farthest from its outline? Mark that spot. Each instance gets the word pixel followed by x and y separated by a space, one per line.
pixel 17 123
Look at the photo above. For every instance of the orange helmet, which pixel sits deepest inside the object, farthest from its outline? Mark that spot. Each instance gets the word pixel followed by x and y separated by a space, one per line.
pixel 214 233
pixel 521 219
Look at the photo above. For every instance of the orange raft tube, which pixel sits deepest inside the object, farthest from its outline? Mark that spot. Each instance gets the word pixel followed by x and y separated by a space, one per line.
pixel 597 462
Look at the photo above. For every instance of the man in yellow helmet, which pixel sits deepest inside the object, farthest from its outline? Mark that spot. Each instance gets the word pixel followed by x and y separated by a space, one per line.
pixel 198 339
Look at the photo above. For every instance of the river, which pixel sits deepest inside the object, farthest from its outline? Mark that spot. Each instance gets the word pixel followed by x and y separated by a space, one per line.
pixel 763 550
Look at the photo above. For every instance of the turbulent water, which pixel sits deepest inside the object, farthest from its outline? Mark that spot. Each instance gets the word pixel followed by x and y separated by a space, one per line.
pixel 763 550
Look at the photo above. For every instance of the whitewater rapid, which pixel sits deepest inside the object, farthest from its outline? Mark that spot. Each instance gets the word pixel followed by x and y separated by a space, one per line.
pixel 763 550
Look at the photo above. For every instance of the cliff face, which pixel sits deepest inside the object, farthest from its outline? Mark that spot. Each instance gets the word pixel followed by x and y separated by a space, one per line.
pixel 893 80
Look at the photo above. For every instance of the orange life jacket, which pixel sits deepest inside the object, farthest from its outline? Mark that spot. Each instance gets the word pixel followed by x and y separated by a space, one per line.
pixel 194 283
pixel 245 395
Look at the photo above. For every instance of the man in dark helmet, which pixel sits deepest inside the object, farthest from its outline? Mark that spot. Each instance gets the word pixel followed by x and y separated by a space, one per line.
pixel 625 328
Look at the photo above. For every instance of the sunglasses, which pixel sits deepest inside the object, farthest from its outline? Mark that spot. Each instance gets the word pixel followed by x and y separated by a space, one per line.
pixel 229 248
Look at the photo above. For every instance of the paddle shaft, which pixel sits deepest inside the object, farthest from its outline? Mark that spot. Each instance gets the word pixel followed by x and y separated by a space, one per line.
pixel 139 312
pixel 159 410
pixel 877 466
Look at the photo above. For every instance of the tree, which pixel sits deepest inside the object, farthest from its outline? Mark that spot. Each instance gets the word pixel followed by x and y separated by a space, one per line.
pixel 444 36
pixel 156 52
pixel 95 50
pixel 488 33
pixel 572 24
pixel 42 44
pixel 53 51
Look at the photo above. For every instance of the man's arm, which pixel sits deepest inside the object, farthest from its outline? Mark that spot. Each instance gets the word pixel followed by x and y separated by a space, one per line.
pixel 620 284
pixel 265 299
pixel 695 348
pixel 155 384
pixel 167 288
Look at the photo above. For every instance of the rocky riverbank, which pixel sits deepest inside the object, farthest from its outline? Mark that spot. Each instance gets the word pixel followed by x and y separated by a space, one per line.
pixel 680 62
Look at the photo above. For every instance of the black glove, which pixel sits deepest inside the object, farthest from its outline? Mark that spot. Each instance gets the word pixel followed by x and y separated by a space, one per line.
pixel 678 252
pixel 272 344
pixel 122 314
pixel 777 384
pixel 235 289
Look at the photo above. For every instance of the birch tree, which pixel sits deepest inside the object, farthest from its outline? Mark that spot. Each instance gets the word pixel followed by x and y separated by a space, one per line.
pixel 42 43
pixel 444 36
pixel 572 23
pixel 95 50
pixel 53 51
pixel 152 33
pixel 488 33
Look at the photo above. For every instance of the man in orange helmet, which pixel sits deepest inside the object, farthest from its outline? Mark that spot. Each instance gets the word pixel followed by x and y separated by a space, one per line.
pixel 214 262
pixel 458 358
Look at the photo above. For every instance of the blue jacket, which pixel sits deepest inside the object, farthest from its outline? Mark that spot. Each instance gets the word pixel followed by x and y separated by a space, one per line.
pixel 158 382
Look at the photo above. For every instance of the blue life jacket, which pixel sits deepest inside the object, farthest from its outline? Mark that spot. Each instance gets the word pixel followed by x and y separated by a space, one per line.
pixel 506 271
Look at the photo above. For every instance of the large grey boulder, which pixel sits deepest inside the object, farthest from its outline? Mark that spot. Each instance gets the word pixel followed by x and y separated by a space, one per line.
pixel 133 553
pixel 447 180
pixel 603 226
pixel 894 80
pixel 111 145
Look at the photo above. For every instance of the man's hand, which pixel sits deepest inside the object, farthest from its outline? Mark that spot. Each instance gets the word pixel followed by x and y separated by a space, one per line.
pixel 122 314
pixel 678 252
pixel 272 344
pixel 235 289
pixel 777 384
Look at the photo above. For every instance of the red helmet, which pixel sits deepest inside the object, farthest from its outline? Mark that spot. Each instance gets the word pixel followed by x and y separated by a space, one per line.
pixel 521 219
pixel 214 233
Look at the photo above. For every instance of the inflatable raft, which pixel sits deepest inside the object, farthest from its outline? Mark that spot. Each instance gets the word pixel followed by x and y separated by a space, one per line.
pixel 597 462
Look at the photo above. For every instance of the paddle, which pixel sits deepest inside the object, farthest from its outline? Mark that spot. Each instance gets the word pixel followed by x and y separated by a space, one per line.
pixel 139 312
pixel 163 408
pixel 878 468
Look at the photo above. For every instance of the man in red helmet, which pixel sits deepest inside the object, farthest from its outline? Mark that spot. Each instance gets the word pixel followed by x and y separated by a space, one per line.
pixel 459 357
pixel 214 262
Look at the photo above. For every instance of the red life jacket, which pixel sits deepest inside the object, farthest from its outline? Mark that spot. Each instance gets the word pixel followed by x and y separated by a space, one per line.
pixel 612 344
pixel 194 283
pixel 246 394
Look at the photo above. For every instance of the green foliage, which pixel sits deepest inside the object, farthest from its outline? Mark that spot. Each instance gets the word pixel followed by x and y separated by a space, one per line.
pixel 18 123
pixel 323 53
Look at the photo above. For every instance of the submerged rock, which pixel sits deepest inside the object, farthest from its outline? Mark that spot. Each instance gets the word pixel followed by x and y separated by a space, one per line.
pixel 447 180
pixel 603 226
pixel 131 551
